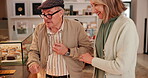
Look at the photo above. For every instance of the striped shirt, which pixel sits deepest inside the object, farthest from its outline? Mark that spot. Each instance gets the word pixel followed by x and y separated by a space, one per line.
pixel 56 65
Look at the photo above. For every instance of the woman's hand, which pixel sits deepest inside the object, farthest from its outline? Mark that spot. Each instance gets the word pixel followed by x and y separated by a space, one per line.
pixel 87 58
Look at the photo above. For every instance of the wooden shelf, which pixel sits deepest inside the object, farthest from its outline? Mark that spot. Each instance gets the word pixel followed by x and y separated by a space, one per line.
pixel 72 16
pixel 70 2
pixel 83 16
pixel 14 17
pixel 11 60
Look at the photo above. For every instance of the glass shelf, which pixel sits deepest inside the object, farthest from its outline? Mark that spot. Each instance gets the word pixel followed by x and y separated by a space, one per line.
pixel 78 16
pixel 71 2
pixel 14 17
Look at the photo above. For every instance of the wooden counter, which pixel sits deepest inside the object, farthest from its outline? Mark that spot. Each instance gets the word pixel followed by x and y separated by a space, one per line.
pixel 21 71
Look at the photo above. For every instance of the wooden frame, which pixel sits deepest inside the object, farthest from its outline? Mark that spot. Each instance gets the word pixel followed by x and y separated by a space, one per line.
pixel 20 9
pixel 145 49
pixel 21 27
pixel 34 10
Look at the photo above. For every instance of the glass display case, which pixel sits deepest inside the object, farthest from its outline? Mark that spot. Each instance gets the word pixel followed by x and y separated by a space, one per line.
pixel 15 52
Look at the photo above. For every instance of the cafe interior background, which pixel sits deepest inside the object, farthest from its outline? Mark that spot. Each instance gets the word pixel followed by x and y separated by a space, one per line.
pixel 19 18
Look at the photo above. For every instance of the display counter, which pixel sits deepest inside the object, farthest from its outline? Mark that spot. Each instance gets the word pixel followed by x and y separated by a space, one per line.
pixel 20 72
pixel 14 52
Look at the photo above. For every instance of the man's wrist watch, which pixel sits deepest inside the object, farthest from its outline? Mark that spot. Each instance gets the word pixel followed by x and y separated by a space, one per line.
pixel 68 52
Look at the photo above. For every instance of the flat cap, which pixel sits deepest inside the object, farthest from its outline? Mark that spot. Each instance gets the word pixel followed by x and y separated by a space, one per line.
pixel 51 3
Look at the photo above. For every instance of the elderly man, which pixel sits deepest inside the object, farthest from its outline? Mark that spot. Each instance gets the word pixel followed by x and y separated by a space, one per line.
pixel 57 44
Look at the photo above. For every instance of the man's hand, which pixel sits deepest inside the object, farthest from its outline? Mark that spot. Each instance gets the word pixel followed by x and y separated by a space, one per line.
pixel 34 68
pixel 59 48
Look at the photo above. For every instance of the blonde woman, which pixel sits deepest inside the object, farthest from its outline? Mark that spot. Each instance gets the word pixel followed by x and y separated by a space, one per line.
pixel 116 44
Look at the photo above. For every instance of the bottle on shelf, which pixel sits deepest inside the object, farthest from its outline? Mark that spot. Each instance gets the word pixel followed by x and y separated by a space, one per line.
pixel 14 36
pixel 71 9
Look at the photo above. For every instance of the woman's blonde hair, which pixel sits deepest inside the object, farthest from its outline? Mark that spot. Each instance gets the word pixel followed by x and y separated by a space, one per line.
pixel 112 8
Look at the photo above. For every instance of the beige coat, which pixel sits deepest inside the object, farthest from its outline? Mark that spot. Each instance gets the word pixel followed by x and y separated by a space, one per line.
pixel 120 50
pixel 74 37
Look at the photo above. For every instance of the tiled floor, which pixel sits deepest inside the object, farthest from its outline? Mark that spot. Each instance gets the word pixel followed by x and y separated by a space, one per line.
pixel 142 66
pixel 143 60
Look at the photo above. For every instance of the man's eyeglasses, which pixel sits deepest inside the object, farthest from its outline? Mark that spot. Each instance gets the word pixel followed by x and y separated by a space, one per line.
pixel 48 15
